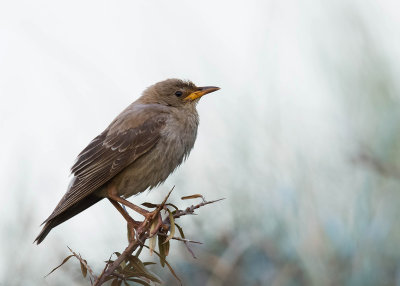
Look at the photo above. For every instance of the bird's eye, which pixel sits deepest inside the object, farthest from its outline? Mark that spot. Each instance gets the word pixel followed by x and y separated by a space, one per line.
pixel 178 93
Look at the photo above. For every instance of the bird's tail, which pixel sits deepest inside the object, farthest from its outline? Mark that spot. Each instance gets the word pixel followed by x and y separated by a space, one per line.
pixel 67 214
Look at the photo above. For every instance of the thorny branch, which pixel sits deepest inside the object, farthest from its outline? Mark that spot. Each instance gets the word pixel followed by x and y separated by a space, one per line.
pixel 151 227
pixel 110 268
pixel 141 237
pixel 191 209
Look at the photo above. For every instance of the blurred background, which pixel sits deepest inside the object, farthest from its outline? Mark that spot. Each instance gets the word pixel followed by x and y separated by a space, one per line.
pixel 303 139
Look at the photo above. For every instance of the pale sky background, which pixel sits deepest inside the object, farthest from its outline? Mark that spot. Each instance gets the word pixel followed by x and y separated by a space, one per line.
pixel 281 122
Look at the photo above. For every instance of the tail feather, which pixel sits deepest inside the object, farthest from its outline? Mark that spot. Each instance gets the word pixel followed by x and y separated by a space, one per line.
pixel 67 214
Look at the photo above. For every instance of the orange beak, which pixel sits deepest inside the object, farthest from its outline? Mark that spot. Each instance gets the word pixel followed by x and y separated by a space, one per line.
pixel 200 92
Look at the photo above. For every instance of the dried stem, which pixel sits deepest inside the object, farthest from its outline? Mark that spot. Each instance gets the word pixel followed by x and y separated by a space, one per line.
pixel 180 239
pixel 109 269
pixel 190 210
pixel 142 234
pixel 84 263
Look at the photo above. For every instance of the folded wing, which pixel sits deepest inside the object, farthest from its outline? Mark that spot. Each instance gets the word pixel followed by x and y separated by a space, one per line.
pixel 118 146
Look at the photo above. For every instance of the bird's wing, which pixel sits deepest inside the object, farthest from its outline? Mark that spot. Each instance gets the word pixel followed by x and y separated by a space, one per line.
pixel 129 136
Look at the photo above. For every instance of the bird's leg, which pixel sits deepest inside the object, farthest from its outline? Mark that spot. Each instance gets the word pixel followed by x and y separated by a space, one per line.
pixel 123 212
pixel 132 224
pixel 112 194
pixel 149 216
pixel 127 203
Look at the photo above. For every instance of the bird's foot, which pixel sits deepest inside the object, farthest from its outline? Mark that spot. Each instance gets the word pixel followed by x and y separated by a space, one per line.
pixel 132 225
pixel 154 218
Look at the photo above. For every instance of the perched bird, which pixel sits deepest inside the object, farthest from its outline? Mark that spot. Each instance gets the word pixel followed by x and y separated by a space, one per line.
pixel 141 147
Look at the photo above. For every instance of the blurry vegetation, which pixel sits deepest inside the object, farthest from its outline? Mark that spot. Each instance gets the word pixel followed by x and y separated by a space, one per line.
pixel 350 236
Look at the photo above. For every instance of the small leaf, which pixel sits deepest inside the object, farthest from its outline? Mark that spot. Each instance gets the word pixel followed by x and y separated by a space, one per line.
pixel 83 270
pixel 134 272
pixel 139 251
pixel 170 269
pixel 161 249
pixel 139 281
pixel 173 272
pixel 172 205
pixel 116 282
pixel 180 230
pixel 142 270
pixel 153 239
pixel 139 264
pixel 152 243
pixel 149 205
pixel 148 263
pixel 166 245
pixel 65 260
pixel 192 197
pixel 172 227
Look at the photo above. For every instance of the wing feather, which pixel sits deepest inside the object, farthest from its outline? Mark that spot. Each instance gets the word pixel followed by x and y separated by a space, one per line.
pixel 110 152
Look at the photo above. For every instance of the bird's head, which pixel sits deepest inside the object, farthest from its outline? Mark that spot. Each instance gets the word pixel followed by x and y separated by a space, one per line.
pixel 175 92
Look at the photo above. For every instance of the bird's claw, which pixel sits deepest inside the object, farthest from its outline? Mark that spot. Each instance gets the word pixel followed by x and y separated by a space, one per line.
pixel 150 217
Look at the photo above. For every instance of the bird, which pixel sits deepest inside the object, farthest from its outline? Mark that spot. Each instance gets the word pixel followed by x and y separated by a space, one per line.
pixel 141 147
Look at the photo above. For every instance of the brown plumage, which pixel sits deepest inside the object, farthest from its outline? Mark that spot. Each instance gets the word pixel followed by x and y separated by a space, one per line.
pixel 137 151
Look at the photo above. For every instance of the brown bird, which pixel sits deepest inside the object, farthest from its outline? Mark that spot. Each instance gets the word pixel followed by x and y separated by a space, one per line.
pixel 141 147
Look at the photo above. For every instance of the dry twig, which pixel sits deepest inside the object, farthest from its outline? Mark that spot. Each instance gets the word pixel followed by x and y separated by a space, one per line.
pixel 152 227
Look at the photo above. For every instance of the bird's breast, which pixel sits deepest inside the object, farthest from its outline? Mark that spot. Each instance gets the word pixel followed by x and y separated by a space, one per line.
pixel 148 171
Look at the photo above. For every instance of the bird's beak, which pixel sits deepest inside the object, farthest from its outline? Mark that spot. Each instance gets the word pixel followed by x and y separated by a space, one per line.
pixel 200 92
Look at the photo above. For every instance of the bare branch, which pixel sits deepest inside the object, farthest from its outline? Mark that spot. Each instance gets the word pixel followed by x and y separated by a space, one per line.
pixel 141 235
pixel 190 210
pixel 153 224
pixel 180 239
